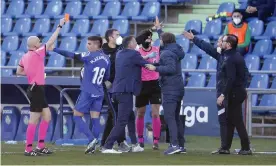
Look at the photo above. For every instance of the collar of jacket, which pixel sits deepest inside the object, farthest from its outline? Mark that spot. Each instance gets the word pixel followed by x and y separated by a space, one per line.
pixel 229 52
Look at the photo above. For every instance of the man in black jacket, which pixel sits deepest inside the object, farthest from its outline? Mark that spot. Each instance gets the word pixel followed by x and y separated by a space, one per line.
pixel 172 89
pixel 232 76
pixel 113 45
pixel 260 8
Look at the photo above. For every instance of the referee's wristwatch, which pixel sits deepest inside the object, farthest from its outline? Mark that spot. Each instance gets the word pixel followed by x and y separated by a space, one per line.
pixel 59 26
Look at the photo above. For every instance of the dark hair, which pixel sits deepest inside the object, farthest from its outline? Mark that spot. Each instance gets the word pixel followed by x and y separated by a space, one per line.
pixel 143 35
pixel 233 40
pixel 238 11
pixel 109 33
pixel 96 38
pixel 126 41
pixel 168 38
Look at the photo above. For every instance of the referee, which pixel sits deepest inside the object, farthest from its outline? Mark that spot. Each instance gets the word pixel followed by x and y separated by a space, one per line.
pixel 232 76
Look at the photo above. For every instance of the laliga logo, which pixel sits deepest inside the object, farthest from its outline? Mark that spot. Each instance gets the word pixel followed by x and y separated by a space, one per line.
pixel 200 114
pixel 192 113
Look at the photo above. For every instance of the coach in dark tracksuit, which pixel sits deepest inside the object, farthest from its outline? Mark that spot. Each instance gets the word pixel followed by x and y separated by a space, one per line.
pixel 259 8
pixel 127 83
pixel 222 77
pixel 172 89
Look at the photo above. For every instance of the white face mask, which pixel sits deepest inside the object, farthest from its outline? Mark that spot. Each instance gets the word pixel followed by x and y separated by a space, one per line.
pixel 237 20
pixel 219 50
pixel 119 40
pixel 137 47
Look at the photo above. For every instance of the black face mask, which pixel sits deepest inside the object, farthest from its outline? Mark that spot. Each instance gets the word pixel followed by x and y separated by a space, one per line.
pixel 146 45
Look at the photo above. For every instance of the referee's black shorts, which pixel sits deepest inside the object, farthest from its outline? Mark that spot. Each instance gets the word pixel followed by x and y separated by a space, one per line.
pixel 36 95
pixel 150 94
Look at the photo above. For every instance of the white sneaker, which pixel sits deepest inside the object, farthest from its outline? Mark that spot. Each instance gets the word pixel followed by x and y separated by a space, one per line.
pixel 91 147
pixel 110 151
pixel 137 148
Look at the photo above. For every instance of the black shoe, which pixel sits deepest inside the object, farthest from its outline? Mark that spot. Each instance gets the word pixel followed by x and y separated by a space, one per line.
pixel 245 152
pixel 32 153
pixel 155 146
pixel 44 150
pixel 221 151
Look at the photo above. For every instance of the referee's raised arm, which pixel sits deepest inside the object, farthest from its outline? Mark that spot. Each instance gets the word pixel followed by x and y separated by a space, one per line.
pixel 54 36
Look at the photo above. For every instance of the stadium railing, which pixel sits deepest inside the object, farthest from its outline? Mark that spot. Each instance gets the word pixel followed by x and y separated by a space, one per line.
pixel 250 108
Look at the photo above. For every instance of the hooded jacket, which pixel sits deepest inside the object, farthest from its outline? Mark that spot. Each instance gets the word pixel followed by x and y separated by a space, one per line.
pixel 111 52
pixel 169 68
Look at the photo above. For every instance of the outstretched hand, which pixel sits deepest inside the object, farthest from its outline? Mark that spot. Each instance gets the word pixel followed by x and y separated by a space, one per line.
pixel 188 35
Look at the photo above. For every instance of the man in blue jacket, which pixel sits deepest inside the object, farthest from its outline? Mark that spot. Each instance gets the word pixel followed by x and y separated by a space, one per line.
pixel 127 83
pixel 172 89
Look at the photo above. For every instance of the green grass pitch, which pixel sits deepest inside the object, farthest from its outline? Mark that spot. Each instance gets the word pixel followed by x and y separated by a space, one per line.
pixel 199 149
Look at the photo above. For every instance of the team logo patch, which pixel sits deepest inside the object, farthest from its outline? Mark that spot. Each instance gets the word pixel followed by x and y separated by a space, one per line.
pixel 8 120
pixel 26 120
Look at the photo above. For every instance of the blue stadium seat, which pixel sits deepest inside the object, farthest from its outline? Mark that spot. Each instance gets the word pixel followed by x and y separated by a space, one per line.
pixel 92 8
pixel 15 58
pixel 111 9
pixel 23 124
pixel 196 50
pixel 212 81
pixel 270 31
pixel 273 85
pixel 54 8
pixel 122 26
pixel 269 64
pixel 65 29
pixel 68 43
pixel 68 124
pixel 149 12
pixel 256 27
pixel 189 62
pixel 55 60
pixel 9 123
pixel 184 78
pixel 80 28
pixel 6 72
pixel 35 7
pixel 213 29
pixel 131 9
pixel 73 8
pixel 3 58
pixel 51 128
pixel 183 42
pixel 10 43
pixel 226 7
pixel 99 28
pixel 82 45
pixel 41 26
pixel 194 25
pixel 16 8
pixel 252 62
pixel 3 7
pixel 243 6
pixel 156 43
pixel 197 80
pixel 77 134
pixel 169 1
pixel 259 81
pixel 22 26
pixel 23 46
pixel 267 100
pixel 6 24
pixel 262 47
pixel 208 63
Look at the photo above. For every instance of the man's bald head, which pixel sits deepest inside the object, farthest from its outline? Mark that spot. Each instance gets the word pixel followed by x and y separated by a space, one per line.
pixel 33 43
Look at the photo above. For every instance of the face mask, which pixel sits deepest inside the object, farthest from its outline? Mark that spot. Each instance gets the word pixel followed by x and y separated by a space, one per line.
pixel 236 20
pixel 219 50
pixel 137 47
pixel 119 40
pixel 146 45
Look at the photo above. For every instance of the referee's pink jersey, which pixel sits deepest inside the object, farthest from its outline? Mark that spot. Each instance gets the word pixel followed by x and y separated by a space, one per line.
pixel 33 64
